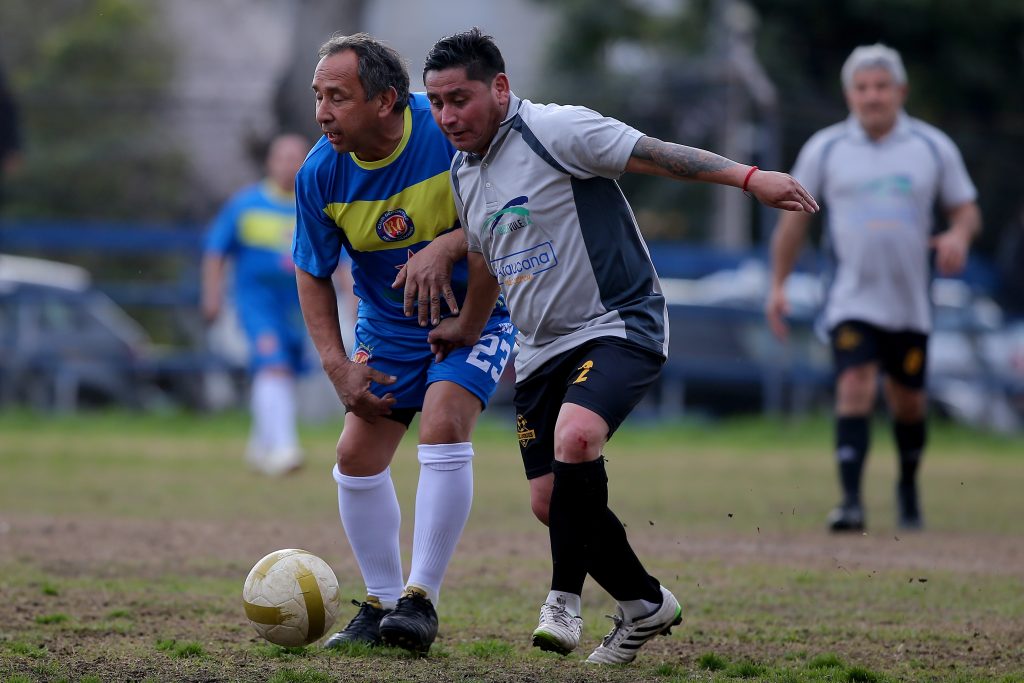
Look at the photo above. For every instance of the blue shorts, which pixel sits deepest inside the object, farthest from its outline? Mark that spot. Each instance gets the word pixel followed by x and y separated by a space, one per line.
pixel 403 351
pixel 276 335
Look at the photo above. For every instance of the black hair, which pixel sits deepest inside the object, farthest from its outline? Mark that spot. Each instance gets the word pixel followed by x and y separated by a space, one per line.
pixel 472 49
pixel 380 67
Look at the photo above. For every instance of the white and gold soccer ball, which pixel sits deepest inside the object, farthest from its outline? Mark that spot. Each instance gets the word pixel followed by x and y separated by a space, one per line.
pixel 291 597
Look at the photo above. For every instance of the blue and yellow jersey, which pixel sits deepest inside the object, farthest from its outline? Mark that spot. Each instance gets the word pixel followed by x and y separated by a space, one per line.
pixel 381 212
pixel 255 228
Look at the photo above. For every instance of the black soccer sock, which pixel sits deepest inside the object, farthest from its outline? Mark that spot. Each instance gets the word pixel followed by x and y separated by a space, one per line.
pixel 609 558
pixel 852 440
pixel 910 441
pixel 568 564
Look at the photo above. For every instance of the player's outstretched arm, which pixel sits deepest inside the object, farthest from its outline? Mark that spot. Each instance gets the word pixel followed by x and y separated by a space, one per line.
pixel 466 328
pixel 351 380
pixel 427 277
pixel 778 190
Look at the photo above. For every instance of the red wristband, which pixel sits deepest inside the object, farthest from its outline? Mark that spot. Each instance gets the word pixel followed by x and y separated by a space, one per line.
pixel 747 179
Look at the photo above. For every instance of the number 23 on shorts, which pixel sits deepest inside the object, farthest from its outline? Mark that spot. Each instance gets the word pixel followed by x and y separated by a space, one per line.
pixel 490 355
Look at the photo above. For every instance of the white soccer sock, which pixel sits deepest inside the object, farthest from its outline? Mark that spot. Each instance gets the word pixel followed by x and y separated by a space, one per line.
pixel 443 500
pixel 372 518
pixel 273 411
pixel 634 609
pixel 571 600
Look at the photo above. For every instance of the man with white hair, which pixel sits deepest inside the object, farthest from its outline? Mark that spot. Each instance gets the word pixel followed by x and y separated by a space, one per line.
pixel 879 173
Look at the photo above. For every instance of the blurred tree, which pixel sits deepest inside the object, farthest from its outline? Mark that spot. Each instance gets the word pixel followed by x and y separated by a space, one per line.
pixel 315 22
pixel 90 75
pixel 657 64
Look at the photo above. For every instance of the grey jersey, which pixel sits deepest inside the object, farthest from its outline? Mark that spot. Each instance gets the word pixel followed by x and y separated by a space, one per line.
pixel 544 209
pixel 878 198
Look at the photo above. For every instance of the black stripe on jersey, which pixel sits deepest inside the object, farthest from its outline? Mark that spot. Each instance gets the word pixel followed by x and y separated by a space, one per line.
pixel 457 161
pixel 625 275
pixel 534 144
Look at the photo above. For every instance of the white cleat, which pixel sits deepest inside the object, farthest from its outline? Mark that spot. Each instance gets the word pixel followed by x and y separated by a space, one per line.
pixel 281 461
pixel 625 639
pixel 558 630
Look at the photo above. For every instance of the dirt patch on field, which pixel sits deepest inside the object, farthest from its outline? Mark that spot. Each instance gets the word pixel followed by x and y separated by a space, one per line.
pixel 102 547
pixel 118 549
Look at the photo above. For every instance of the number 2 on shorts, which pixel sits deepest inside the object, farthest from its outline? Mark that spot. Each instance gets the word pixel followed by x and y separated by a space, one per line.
pixel 587 365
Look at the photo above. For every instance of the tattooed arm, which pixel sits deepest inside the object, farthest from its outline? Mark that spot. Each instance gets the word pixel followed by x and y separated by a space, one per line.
pixel 655 157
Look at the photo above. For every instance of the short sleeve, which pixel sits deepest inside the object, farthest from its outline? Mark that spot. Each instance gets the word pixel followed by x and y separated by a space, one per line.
pixel 221 238
pixel 809 167
pixel 585 143
pixel 955 186
pixel 318 241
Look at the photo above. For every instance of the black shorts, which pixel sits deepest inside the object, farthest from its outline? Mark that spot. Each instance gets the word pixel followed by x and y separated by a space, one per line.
pixel 606 375
pixel 903 356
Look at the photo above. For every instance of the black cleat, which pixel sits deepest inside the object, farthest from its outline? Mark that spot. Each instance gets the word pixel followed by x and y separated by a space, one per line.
pixel 364 627
pixel 413 623
pixel 909 517
pixel 846 518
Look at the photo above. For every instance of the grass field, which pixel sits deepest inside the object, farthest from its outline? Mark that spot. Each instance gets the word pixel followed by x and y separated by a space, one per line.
pixel 125 538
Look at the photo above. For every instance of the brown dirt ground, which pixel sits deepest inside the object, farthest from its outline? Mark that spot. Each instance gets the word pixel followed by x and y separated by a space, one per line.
pixel 108 548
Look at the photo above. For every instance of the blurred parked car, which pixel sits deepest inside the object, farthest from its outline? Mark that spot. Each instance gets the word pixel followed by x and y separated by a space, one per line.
pixel 723 358
pixel 63 343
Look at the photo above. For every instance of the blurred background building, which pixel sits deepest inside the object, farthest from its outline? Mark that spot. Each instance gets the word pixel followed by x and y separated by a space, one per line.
pixel 135 120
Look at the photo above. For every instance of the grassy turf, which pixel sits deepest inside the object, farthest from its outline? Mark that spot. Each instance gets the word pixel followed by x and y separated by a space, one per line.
pixel 751 614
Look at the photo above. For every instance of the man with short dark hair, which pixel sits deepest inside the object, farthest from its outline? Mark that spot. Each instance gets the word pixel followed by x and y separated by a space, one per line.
pixel 377 185
pixel 546 223
pixel 880 173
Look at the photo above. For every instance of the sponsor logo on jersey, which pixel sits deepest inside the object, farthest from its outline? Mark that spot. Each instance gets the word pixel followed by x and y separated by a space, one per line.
pixel 524 265
pixel 511 217
pixel 525 434
pixel 395 226
pixel 362 354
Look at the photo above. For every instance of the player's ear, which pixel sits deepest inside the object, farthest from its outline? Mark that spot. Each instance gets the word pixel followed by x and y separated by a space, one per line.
pixel 388 97
pixel 501 88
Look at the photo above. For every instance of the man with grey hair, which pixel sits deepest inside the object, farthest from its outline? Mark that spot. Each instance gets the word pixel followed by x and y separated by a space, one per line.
pixel 880 173
pixel 377 185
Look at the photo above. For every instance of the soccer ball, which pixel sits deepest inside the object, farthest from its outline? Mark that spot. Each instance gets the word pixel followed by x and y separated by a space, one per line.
pixel 291 597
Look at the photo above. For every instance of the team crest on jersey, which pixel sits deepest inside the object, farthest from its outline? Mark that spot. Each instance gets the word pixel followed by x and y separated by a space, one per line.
pixel 510 218
pixel 395 226
pixel 362 354
pixel 847 338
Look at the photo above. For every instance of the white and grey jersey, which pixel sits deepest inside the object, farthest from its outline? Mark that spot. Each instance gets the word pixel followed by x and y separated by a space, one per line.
pixel 878 198
pixel 545 210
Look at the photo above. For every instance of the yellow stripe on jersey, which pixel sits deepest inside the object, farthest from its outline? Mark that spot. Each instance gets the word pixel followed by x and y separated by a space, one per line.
pixel 406 134
pixel 267 229
pixel 428 204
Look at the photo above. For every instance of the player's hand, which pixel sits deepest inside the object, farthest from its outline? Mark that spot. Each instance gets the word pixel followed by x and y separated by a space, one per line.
pixel 210 308
pixel 951 249
pixel 352 384
pixel 427 277
pixel 776 309
pixel 780 191
pixel 446 337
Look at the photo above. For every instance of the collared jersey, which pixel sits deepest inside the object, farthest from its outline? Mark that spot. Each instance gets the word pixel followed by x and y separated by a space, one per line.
pixel 255 228
pixel 878 197
pixel 545 210
pixel 381 212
